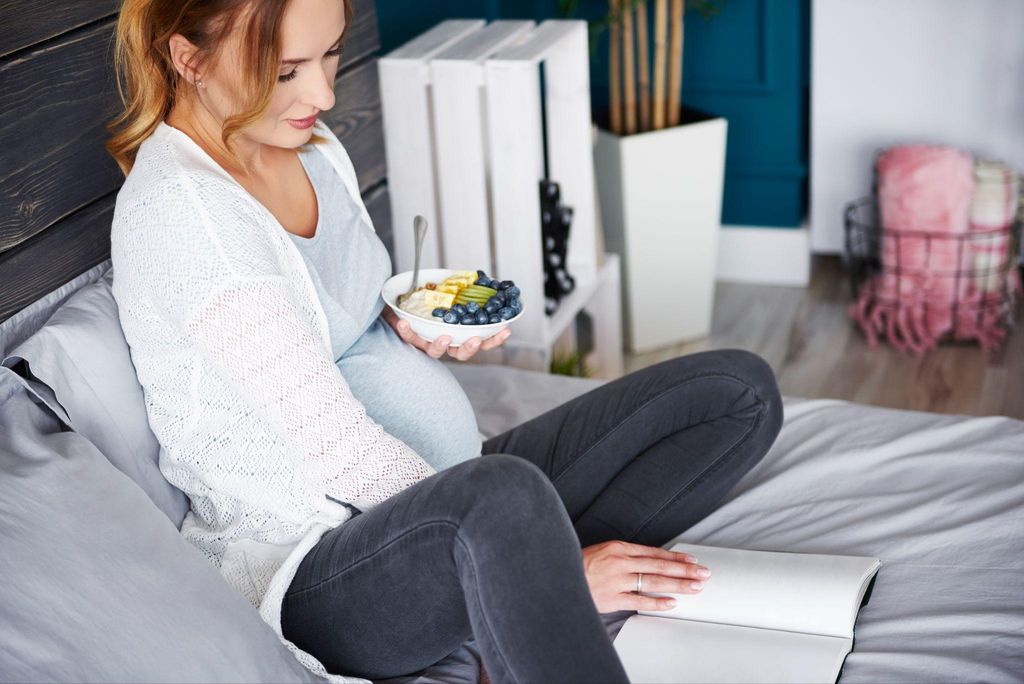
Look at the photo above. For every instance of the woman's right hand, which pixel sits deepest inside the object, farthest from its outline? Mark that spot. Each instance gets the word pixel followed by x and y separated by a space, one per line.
pixel 611 568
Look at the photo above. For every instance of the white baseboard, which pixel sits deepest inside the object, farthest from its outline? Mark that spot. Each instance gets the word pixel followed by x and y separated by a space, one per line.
pixel 768 256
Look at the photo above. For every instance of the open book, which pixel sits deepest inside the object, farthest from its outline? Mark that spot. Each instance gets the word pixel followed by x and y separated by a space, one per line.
pixel 761 617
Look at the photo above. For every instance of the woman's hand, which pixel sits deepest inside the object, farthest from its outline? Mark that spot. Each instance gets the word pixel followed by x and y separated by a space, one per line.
pixel 438 347
pixel 611 569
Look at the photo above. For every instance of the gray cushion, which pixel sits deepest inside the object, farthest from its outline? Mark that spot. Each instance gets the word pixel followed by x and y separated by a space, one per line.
pixel 98 584
pixel 80 353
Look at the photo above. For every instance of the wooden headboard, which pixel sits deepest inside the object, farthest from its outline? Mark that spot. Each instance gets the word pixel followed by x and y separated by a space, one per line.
pixel 57 183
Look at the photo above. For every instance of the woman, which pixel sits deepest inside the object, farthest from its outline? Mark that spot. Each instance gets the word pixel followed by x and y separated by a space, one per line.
pixel 332 464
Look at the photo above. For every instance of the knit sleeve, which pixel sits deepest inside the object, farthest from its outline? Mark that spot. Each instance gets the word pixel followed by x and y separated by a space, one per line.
pixel 252 333
pixel 196 249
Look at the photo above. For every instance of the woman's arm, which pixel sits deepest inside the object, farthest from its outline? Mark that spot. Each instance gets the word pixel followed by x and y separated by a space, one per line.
pixel 268 403
pixel 252 333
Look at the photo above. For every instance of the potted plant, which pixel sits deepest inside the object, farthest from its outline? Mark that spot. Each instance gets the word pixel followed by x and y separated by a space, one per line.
pixel 660 170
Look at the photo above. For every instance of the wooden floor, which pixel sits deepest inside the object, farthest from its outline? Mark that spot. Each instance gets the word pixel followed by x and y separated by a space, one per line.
pixel 817 352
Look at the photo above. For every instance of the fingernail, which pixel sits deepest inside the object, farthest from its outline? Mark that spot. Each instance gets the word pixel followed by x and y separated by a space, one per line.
pixel 690 559
pixel 671 603
pixel 704 572
pixel 696 586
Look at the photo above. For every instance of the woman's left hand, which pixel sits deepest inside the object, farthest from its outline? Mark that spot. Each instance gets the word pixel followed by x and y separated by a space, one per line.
pixel 611 570
pixel 438 347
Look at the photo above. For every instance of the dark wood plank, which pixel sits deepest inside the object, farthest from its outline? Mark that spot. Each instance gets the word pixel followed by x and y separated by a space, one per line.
pixel 28 22
pixel 378 205
pixel 57 192
pixel 54 257
pixel 54 103
pixel 356 120
pixel 363 39
pixel 68 88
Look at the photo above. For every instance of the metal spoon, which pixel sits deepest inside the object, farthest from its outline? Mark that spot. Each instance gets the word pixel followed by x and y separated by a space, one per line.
pixel 419 226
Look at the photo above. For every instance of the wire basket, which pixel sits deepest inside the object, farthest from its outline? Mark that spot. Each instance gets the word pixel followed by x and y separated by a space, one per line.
pixel 918 288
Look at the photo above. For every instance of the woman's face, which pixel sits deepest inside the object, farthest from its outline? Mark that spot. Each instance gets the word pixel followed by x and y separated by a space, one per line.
pixel 310 34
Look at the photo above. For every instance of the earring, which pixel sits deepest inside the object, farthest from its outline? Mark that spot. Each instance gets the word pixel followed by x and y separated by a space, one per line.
pixel 200 84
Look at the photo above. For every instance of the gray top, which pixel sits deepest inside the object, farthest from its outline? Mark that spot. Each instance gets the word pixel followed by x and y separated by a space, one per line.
pixel 412 396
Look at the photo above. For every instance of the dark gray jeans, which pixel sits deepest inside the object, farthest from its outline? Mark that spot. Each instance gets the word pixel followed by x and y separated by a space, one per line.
pixel 491 547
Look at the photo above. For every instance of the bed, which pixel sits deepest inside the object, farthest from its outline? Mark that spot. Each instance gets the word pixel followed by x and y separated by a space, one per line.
pixel 100 587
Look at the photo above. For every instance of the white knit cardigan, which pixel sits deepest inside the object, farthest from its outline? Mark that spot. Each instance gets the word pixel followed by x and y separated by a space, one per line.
pixel 232 349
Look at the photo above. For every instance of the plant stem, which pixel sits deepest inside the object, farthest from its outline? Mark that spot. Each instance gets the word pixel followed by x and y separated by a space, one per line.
pixel 660 58
pixel 676 64
pixel 643 55
pixel 628 65
pixel 614 80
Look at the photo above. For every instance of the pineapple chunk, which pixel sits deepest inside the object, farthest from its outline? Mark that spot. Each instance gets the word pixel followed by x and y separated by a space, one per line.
pixel 461 282
pixel 435 299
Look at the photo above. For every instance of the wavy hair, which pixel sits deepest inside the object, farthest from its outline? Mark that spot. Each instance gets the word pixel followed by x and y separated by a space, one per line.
pixel 149 84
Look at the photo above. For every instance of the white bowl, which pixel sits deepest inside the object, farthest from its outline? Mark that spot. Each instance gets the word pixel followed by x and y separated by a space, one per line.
pixel 433 327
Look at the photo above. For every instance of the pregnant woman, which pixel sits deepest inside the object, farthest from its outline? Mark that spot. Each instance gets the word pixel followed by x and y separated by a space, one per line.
pixel 333 465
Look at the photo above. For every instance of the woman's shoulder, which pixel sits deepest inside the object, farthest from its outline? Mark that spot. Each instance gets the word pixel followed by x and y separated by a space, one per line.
pixel 175 204
pixel 173 181
pixel 170 166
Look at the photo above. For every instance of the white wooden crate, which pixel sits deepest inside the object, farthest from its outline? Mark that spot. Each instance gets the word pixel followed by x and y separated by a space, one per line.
pixel 465 115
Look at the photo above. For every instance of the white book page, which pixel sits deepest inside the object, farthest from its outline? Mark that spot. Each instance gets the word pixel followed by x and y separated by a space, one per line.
pixel 656 650
pixel 795 592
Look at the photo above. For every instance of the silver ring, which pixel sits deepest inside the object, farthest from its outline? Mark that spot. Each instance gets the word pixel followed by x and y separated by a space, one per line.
pixel 639 582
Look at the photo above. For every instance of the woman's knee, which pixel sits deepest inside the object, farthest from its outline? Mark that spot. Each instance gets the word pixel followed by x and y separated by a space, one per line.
pixel 757 374
pixel 749 370
pixel 505 490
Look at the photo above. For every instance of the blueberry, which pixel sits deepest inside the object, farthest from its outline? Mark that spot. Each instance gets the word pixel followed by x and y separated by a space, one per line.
pixel 480 273
pixel 451 317
pixel 495 318
pixel 483 282
pixel 439 311
pixel 481 317
pixel 468 319
pixel 492 306
pixel 500 297
pixel 460 310
pixel 505 284
pixel 516 304
pixel 472 307
pixel 506 313
pixel 513 291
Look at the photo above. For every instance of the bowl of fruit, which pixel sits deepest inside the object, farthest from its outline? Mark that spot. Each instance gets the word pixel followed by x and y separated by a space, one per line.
pixel 461 304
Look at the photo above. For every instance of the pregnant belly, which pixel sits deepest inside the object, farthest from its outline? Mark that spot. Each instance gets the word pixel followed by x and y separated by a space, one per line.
pixel 412 396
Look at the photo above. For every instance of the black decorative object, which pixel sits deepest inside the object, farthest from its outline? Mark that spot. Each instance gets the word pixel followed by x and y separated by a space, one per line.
pixel 556 219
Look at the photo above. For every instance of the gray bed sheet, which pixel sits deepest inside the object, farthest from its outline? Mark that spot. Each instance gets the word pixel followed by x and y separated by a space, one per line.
pixel 940 499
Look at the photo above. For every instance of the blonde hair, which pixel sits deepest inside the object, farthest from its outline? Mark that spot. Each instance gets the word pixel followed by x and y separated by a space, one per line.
pixel 148 82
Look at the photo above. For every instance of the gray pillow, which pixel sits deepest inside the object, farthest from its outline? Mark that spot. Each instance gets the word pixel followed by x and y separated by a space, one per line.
pixel 98 585
pixel 80 353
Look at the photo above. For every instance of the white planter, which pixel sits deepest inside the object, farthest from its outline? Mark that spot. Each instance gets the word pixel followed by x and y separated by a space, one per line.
pixel 661 206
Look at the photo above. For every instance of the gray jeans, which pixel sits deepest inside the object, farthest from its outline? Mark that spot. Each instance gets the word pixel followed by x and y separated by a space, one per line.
pixel 491 547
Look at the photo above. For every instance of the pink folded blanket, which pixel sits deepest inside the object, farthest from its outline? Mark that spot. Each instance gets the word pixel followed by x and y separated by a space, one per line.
pixel 944 241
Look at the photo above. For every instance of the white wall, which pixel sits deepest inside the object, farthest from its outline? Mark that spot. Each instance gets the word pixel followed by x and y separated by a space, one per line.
pixel 898 71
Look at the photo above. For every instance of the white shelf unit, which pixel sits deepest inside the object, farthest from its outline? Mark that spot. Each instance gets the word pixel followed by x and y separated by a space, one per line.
pixel 467 126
